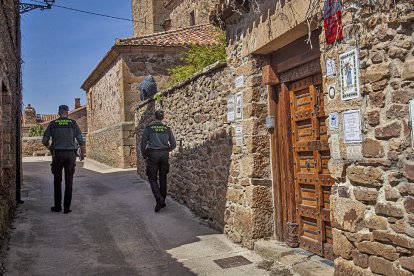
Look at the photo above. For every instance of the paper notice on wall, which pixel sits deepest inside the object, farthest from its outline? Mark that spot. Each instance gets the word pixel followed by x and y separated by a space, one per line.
pixel 230 108
pixel 335 150
pixel 352 126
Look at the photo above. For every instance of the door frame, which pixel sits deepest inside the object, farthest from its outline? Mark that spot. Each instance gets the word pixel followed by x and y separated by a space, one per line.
pixel 276 76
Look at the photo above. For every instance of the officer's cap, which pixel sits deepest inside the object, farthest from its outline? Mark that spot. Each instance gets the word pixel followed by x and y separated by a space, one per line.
pixel 159 114
pixel 63 108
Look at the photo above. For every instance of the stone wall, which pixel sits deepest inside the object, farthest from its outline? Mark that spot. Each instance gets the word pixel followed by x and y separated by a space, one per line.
pixel 263 28
pixel 149 15
pixel 10 109
pixel 250 191
pixel 104 114
pixel 104 99
pixel 105 145
pixel 32 146
pixel 372 204
pixel 113 98
pixel 251 35
pixel 180 14
pixel 200 165
pixel 140 62
pixel 224 183
pixel 81 118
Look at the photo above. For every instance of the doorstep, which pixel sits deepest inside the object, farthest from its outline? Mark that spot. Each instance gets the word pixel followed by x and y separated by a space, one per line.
pixel 296 260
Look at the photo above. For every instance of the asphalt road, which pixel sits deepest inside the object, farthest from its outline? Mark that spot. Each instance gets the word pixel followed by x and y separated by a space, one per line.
pixel 112 230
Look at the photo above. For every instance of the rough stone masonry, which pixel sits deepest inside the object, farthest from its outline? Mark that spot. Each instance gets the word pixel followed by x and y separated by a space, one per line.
pixel 372 206
pixel 220 182
pixel 372 211
pixel 10 109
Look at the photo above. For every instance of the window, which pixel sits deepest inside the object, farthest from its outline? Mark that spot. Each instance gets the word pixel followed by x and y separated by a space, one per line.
pixel 192 18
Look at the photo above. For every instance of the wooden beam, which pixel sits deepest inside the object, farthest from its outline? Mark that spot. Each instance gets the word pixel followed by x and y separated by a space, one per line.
pixel 269 75
pixel 275 160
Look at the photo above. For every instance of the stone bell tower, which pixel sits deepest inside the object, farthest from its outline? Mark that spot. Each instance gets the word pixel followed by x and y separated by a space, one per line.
pixel 149 16
pixel 29 116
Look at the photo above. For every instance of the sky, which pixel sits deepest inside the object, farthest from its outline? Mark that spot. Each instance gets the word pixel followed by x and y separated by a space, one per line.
pixel 60 48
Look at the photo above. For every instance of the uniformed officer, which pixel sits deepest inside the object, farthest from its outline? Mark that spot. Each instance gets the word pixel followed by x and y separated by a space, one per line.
pixel 64 132
pixel 156 143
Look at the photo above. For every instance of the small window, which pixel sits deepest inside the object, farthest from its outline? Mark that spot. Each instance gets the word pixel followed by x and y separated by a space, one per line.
pixel 192 18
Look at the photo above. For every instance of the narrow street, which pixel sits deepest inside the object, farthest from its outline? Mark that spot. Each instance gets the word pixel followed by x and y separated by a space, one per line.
pixel 112 230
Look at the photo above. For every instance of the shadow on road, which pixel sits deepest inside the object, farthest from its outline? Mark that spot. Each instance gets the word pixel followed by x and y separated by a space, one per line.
pixel 112 230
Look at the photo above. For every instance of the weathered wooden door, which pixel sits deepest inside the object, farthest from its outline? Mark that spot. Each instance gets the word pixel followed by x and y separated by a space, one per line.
pixel 311 154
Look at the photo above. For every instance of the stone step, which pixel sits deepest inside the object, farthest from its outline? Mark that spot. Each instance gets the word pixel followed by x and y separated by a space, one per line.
pixel 313 268
pixel 272 250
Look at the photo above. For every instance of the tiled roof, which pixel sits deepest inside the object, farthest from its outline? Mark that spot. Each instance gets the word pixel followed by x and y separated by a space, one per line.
pixel 48 117
pixel 77 109
pixel 199 34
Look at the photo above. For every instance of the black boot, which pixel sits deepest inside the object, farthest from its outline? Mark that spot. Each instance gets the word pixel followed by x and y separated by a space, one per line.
pixel 158 207
pixel 56 209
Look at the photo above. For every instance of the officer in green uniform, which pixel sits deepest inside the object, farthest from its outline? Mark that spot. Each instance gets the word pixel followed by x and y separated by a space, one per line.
pixel 156 143
pixel 64 133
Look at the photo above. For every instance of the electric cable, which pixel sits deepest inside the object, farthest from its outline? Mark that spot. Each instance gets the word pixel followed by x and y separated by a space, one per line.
pixel 98 14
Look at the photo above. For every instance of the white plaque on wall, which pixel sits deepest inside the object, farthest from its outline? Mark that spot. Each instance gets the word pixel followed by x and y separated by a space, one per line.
pixel 239 81
pixel 354 152
pixel 239 141
pixel 335 150
pixel 412 121
pixel 239 106
pixel 230 108
pixel 352 126
pixel 333 120
pixel 239 131
pixel 330 67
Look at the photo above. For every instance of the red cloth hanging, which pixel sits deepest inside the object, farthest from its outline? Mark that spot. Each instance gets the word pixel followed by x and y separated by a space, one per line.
pixel 332 22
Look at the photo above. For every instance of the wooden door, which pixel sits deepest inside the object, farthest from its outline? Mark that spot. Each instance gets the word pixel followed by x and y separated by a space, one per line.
pixel 311 154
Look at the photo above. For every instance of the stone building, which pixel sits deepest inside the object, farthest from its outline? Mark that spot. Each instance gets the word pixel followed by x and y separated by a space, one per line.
pixel 153 16
pixel 112 88
pixel 332 169
pixel 31 118
pixel 32 146
pixel 10 111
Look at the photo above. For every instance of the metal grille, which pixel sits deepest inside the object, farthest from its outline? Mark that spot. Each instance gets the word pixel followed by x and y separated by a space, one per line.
pixel 232 262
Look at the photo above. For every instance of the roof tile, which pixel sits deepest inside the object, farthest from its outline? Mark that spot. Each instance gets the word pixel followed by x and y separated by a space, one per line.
pixel 199 34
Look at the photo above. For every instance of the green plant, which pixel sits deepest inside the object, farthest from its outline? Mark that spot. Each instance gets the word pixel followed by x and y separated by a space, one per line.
pixel 35 131
pixel 198 57
pixel 158 97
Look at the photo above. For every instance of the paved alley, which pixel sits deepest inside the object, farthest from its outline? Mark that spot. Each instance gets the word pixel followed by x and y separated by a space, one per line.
pixel 112 230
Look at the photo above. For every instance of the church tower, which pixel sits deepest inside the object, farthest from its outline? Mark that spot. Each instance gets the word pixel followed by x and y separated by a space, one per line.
pixel 149 16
